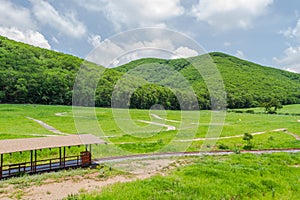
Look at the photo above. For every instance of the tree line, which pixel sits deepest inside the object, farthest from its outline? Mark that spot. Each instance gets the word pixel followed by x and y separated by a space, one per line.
pixel 34 75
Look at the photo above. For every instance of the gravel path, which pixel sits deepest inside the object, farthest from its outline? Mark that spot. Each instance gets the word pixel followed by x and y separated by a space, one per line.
pixel 182 154
pixel 48 127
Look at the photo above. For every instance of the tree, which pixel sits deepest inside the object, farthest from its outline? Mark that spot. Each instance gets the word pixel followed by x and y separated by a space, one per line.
pixel 248 137
pixel 272 106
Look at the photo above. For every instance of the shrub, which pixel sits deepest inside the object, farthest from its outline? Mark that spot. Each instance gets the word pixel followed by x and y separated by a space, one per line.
pixel 223 146
pixel 250 111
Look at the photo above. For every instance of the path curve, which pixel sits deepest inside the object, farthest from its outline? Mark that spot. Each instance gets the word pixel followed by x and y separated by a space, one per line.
pixel 169 127
pixel 48 127
pixel 61 114
pixel 297 137
pixel 168 120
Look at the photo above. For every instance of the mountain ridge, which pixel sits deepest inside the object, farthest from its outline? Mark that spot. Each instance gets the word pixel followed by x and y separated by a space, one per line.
pixel 35 75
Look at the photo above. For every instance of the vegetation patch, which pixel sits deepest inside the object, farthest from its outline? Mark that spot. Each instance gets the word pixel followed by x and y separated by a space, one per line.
pixel 242 176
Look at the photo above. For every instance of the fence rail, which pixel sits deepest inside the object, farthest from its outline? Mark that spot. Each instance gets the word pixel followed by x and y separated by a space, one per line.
pixel 40 166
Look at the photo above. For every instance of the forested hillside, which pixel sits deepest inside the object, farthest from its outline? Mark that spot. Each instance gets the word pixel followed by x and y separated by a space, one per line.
pixel 34 75
pixel 247 84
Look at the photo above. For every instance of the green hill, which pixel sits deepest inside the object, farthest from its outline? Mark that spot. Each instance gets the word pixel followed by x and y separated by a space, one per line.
pixel 247 84
pixel 35 75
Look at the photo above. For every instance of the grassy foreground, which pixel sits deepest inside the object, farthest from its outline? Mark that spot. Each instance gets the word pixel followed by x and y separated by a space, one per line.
pixel 240 176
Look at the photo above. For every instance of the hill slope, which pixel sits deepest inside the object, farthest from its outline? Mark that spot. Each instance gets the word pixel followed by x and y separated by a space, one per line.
pixel 34 75
pixel 247 84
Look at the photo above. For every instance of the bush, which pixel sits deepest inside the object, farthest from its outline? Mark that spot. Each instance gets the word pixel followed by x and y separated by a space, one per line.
pixel 239 111
pixel 250 111
pixel 248 147
pixel 223 146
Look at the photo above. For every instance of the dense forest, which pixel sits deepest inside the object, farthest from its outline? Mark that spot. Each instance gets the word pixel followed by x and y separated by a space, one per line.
pixel 35 75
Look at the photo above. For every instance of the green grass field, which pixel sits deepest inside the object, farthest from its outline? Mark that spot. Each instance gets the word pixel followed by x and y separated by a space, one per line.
pixel 290 109
pixel 244 176
pixel 240 176
pixel 126 134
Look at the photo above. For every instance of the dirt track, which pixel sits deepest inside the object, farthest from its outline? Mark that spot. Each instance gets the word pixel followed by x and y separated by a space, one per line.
pixel 48 127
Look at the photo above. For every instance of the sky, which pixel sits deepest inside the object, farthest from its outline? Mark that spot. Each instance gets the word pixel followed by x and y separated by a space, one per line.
pixel 262 31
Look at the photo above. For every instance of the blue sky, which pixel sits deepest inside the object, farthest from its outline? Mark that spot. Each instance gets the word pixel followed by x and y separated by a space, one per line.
pixel 263 31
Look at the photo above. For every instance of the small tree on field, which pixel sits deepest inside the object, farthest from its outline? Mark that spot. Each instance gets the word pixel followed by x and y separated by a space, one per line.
pixel 248 137
pixel 272 106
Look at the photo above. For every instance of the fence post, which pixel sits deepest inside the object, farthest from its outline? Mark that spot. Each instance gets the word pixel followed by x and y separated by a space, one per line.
pixel 1 165
pixel 35 160
pixel 60 160
pixel 31 160
pixel 64 157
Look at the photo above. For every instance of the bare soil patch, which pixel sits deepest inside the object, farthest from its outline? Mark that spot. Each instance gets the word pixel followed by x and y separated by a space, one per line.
pixel 51 189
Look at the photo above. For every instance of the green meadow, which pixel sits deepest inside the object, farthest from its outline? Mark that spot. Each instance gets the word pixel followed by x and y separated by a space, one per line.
pixel 290 109
pixel 128 131
pixel 244 176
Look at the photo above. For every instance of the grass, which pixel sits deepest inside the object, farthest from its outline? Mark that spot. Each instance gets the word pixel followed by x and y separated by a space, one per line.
pixel 39 179
pixel 14 122
pixel 242 176
pixel 126 134
pixel 225 177
pixel 290 109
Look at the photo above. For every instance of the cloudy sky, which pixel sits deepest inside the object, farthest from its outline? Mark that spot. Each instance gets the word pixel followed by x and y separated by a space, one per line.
pixel 262 31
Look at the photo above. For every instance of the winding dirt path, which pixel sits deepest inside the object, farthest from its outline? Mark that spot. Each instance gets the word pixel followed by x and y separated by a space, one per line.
pixel 297 137
pixel 237 136
pixel 168 120
pixel 169 127
pixel 63 114
pixel 183 154
pixel 48 127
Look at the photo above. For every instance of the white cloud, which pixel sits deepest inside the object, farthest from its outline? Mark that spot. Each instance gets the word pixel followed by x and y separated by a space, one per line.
pixel 292 32
pixel 291 59
pixel 111 54
pixel 133 13
pixel 66 24
pixel 105 53
pixel 184 52
pixel 16 23
pixel 227 44
pixel 29 36
pixel 240 54
pixel 291 70
pixel 55 40
pixel 16 16
pixel 94 40
pixel 229 14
